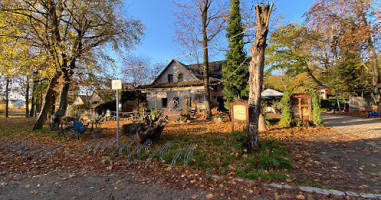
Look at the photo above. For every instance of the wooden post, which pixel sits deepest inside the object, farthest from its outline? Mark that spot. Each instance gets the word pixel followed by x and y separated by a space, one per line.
pixel 310 109
pixel 300 108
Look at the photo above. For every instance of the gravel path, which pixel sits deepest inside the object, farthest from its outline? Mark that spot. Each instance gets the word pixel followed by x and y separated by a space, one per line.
pixel 353 151
pixel 365 129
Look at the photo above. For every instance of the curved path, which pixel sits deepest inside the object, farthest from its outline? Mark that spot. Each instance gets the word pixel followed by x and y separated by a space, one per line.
pixel 354 149
pixel 368 129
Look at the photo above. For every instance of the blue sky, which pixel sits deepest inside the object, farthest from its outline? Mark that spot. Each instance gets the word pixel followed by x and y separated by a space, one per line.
pixel 157 16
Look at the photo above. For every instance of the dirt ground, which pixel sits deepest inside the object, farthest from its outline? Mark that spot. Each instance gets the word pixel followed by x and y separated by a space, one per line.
pixel 90 186
pixel 353 152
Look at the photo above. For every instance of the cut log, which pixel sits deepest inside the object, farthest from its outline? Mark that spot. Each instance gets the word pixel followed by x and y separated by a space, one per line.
pixel 142 131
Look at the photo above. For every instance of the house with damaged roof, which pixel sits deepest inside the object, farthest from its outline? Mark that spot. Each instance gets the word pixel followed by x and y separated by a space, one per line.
pixel 179 84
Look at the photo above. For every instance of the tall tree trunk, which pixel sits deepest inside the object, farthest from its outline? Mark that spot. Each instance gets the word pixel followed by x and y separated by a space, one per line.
pixel 32 107
pixel 39 104
pixel 256 67
pixel 206 60
pixel 313 77
pixel 374 63
pixel 47 103
pixel 7 97
pixel 372 51
pixel 61 111
pixel 33 100
pixel 27 97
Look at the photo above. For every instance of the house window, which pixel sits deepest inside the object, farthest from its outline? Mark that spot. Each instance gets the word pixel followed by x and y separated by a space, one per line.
pixel 170 78
pixel 164 102
pixel 180 77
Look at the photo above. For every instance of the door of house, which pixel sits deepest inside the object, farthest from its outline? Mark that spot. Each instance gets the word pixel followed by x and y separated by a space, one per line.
pixel 221 105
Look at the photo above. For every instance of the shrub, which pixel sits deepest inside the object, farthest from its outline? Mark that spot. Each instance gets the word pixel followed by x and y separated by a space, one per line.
pixel 316 118
pixel 285 119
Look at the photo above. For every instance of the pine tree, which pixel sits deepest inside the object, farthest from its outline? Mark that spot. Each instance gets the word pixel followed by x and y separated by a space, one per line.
pixel 236 79
pixel 349 74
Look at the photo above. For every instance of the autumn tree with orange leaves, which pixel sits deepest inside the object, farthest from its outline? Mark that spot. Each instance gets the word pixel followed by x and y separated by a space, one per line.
pixel 350 25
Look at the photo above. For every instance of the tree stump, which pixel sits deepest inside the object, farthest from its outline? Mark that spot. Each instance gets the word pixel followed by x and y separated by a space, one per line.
pixel 142 131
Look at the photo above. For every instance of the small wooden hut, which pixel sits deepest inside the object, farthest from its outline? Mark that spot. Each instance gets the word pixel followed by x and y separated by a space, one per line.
pixel 301 106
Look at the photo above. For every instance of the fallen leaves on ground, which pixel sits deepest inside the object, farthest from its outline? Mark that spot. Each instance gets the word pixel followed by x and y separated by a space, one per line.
pixel 313 162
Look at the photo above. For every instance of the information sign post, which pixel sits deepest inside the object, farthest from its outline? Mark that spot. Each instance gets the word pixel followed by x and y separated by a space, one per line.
pixel 117 85
pixel 239 112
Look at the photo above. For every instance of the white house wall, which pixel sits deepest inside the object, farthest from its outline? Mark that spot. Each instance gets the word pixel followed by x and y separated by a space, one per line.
pixel 155 98
pixel 214 94
pixel 175 69
pixel 196 94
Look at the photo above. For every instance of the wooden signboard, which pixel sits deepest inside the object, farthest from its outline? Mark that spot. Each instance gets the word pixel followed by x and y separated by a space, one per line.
pixel 239 112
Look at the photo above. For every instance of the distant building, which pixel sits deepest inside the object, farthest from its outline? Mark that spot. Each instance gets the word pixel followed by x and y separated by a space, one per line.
pixel 179 82
pixel 13 103
pixel 97 97
pixel 322 92
pixel 82 99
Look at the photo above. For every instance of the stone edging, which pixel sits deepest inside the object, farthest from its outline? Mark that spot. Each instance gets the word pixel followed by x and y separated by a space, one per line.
pixel 316 190
pixel 326 191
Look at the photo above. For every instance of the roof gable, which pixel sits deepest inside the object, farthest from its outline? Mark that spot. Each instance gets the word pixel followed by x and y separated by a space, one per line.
pixel 167 68
pixel 195 70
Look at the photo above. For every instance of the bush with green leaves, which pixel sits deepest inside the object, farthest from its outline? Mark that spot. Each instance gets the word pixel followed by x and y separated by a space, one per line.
pixel 285 119
pixel 316 117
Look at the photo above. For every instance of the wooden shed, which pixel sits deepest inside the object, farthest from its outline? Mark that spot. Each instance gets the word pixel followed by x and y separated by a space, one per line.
pixel 301 106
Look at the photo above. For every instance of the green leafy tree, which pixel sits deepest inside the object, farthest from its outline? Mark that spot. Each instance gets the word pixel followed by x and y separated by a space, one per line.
pixel 293 49
pixel 285 118
pixel 349 74
pixel 235 75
